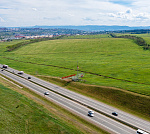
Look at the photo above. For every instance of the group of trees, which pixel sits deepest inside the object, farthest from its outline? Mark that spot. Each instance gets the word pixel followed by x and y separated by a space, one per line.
pixel 138 40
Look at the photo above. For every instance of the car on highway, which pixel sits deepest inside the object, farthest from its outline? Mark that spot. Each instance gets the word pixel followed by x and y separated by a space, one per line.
pixel 139 131
pixel 29 77
pixel 46 93
pixel 114 113
pixel 91 113
pixel 20 72
pixel 5 66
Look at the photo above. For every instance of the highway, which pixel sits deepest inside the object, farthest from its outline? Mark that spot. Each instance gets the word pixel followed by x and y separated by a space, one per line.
pixel 88 102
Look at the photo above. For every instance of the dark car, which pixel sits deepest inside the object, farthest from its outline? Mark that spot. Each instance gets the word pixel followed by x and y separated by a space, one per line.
pixel 114 113
pixel 20 72
pixel 5 66
pixel 29 77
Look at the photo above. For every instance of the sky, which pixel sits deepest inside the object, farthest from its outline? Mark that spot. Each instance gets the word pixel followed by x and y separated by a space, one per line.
pixel 19 13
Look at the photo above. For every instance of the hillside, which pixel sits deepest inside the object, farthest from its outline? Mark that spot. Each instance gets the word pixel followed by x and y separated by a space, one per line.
pixel 111 67
pixel 120 59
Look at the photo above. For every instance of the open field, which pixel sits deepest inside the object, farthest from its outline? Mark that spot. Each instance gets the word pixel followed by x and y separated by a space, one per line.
pixel 105 62
pixel 118 62
pixel 146 37
pixel 21 115
pixel 142 35
pixel 22 111
pixel 87 36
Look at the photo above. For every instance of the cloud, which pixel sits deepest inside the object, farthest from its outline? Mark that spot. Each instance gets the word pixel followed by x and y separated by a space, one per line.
pixel 79 12
pixel 129 11
pixel 88 19
pixel 142 16
pixel 130 16
pixel 2 20
pixel 55 18
pixel 34 9
pixel 4 8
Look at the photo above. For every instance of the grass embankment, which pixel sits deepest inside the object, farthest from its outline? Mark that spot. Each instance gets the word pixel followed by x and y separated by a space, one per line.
pixel 25 112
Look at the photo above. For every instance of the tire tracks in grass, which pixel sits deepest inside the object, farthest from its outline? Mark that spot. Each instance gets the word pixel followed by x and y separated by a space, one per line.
pixel 109 77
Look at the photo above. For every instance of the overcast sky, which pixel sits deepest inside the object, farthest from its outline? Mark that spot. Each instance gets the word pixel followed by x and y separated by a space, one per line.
pixel 74 12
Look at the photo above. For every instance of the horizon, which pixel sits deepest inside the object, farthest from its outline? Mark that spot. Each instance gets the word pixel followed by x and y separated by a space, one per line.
pixel 70 26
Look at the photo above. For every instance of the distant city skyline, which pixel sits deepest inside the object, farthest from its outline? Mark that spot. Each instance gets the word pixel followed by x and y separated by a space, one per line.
pixel 20 13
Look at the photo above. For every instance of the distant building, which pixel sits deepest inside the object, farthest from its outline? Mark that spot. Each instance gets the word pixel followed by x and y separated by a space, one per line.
pixel 19 36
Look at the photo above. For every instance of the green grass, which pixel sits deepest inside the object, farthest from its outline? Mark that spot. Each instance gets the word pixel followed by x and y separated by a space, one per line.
pixel 120 63
pixel 120 59
pixel 23 111
pixel 21 115
pixel 87 36
pixel 146 37
pixel 142 35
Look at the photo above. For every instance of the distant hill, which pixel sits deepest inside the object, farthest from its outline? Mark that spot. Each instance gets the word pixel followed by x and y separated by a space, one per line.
pixel 92 28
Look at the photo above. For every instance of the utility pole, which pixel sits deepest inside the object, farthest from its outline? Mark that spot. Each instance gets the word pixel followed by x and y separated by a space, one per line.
pixel 77 70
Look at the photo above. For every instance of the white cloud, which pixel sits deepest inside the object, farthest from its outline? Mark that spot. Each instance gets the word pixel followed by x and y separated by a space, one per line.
pixel 128 15
pixel 55 18
pixel 2 20
pixel 129 11
pixel 88 19
pixel 34 9
pixel 79 12
pixel 142 16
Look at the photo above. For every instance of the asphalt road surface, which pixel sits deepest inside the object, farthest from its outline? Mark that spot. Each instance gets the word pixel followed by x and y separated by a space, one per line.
pixel 81 110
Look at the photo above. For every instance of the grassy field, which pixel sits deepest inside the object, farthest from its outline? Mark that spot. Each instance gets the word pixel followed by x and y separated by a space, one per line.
pixel 146 37
pixel 87 36
pixel 25 112
pixel 104 61
pixel 21 115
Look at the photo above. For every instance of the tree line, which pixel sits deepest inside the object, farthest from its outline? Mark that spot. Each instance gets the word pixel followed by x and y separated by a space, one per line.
pixel 138 40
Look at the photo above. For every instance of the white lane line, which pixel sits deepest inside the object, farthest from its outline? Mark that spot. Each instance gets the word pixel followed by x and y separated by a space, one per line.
pixel 10 81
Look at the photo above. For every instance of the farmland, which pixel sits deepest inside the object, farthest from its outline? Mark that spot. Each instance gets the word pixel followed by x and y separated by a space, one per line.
pixel 122 60
pixel 105 62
